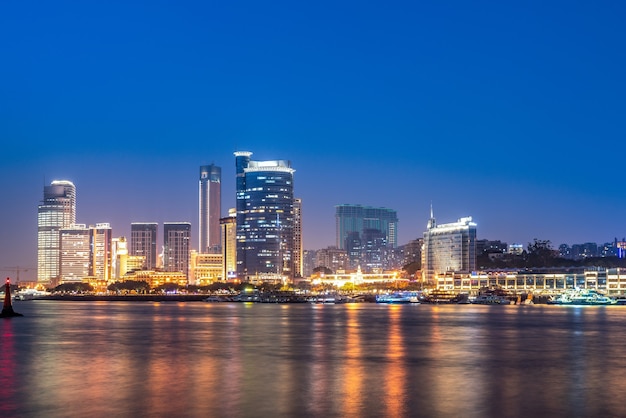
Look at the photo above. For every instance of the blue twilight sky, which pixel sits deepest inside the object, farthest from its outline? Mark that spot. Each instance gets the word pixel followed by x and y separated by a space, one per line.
pixel 512 112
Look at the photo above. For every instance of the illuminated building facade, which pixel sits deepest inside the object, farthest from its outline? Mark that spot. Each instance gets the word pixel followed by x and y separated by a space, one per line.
pixel 101 251
pixel 298 262
pixel 143 243
pixel 57 211
pixel 210 208
pixel 86 252
pixel 75 253
pixel 205 268
pixel 176 243
pixel 265 219
pixel 332 258
pixel 158 278
pixel 119 257
pixel 229 245
pixel 449 248
pixel 356 219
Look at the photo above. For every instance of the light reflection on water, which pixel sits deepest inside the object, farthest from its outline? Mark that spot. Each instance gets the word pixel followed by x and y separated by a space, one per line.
pixel 133 359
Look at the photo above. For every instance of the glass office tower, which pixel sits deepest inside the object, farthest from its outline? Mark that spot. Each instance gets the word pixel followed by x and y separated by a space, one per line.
pixel 209 208
pixel 265 219
pixel 176 246
pixel 352 219
pixel 143 242
pixel 57 211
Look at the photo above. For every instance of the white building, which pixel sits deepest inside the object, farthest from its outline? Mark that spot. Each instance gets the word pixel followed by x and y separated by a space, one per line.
pixel 57 211
pixel 449 248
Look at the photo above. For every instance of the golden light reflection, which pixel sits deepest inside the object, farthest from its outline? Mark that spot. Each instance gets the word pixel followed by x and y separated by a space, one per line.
pixel 319 373
pixel 395 375
pixel 353 370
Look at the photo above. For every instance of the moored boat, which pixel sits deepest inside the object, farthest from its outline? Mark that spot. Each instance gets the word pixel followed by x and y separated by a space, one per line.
pixel 491 299
pixel 579 296
pixel 398 297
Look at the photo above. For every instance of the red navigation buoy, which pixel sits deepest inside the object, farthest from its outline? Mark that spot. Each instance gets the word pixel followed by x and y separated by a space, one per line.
pixel 7 309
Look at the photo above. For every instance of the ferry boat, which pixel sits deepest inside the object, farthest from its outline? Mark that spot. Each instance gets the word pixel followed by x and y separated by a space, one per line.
pixel 490 299
pixel 579 296
pixel 399 297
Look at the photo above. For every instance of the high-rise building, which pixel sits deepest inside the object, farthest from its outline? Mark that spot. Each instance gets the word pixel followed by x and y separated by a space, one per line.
pixel 229 245
pixel 308 257
pixel 210 209
pixel 101 254
pixel 143 243
pixel 85 252
pixel 265 218
pixel 119 257
pixel 57 211
pixel 449 248
pixel 373 254
pixel 298 262
pixel 332 258
pixel 357 218
pixel 75 253
pixel 176 243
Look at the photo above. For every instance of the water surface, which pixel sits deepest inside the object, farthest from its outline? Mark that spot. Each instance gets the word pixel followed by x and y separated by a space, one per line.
pixel 195 359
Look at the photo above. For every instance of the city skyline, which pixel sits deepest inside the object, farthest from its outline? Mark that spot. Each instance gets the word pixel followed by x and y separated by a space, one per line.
pixel 511 115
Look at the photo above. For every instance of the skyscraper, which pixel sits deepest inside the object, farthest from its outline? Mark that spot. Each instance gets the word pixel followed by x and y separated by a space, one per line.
pixel 358 218
pixel 75 253
pixel 86 252
pixel 229 245
pixel 176 243
pixel 449 248
pixel 143 242
pixel 210 190
pixel 57 211
pixel 265 218
pixel 101 255
pixel 298 262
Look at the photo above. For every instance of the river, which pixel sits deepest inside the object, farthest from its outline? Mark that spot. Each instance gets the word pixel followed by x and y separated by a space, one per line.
pixel 197 359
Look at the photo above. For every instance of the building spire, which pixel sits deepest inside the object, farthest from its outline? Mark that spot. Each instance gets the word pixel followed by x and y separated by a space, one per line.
pixel 431 222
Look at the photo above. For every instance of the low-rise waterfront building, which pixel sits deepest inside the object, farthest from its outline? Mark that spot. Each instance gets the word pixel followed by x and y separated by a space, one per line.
pixel 354 278
pixel 158 278
pixel 611 281
pixel 205 268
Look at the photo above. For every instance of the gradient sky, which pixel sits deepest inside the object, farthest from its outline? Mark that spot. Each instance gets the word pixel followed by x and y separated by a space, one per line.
pixel 512 112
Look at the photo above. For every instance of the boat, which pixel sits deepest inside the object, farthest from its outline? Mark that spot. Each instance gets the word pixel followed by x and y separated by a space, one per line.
pixel 213 299
pixel 490 299
pixel 579 296
pixel 439 296
pixel 30 294
pixel 398 297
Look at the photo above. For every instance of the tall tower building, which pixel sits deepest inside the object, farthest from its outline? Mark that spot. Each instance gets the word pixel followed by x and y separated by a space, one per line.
pixel 210 210
pixel 101 254
pixel 351 219
pixel 119 257
pixel 143 242
pixel 449 248
pixel 229 245
pixel 298 260
pixel 265 218
pixel 57 211
pixel 176 243
pixel 75 253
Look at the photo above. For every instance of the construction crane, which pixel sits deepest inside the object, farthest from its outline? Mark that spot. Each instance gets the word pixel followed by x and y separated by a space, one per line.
pixel 17 270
